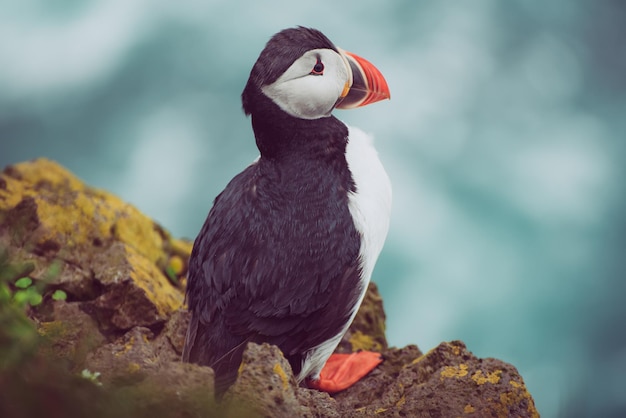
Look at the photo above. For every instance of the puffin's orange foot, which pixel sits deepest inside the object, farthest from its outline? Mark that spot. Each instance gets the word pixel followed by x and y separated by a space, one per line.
pixel 343 370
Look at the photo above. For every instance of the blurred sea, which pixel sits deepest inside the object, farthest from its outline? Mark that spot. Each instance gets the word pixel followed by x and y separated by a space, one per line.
pixel 504 140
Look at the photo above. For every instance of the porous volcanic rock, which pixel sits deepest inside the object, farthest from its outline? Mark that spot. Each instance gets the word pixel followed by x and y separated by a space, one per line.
pixel 97 248
pixel 268 373
pixel 123 323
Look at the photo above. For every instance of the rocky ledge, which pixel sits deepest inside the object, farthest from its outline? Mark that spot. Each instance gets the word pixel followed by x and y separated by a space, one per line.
pixel 93 323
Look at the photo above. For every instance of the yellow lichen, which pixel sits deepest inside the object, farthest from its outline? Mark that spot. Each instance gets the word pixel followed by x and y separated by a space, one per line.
pixel 127 347
pixel 454 371
pixel 75 215
pixel 480 379
pixel 150 279
pixel 401 402
pixel 380 410
pixel 514 398
pixel 139 232
pixel 59 331
pixel 278 369
pixel 469 409
pixel 360 341
pixel 133 367
pixel 24 178
pixel 52 329
pixel 417 360
pixel 181 247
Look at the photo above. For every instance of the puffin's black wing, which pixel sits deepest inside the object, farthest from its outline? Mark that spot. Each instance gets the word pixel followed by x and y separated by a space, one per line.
pixel 276 261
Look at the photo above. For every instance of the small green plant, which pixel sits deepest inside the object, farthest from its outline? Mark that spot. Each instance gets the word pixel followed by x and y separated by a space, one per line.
pixel 26 293
pixel 170 272
pixel 18 335
pixel 91 376
pixel 19 292
pixel 18 289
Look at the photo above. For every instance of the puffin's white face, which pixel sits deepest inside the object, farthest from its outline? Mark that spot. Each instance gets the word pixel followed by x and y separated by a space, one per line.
pixel 312 85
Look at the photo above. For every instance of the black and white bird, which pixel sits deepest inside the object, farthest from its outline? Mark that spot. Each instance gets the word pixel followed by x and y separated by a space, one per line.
pixel 287 251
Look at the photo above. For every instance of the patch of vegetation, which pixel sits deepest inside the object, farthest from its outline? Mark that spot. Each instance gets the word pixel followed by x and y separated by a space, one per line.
pixel 91 376
pixel 35 383
pixel 26 293
pixel 18 336
pixel 59 295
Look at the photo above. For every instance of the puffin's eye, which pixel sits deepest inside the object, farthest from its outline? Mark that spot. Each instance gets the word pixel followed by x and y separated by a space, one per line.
pixel 318 69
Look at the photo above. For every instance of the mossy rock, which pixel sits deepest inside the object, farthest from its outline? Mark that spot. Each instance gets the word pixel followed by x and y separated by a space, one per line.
pixel 121 325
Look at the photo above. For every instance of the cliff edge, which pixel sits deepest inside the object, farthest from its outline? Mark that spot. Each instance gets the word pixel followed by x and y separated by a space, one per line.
pixel 93 323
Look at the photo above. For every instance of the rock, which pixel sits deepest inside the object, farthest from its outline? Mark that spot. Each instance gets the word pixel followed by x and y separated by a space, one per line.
pixel 173 334
pixel 135 292
pixel 70 333
pixel 128 359
pixel 447 381
pixel 98 249
pixel 367 331
pixel 124 323
pixel 265 385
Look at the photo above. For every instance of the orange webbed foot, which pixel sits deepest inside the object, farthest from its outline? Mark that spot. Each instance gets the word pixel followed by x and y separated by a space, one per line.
pixel 343 370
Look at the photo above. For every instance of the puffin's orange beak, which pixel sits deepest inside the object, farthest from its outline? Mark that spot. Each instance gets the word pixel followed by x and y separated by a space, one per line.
pixel 368 84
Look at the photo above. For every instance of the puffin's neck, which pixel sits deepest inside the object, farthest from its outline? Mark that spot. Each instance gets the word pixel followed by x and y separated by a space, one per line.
pixel 280 136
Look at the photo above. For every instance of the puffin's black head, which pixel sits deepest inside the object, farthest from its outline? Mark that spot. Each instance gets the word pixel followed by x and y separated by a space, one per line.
pixel 280 52
pixel 306 76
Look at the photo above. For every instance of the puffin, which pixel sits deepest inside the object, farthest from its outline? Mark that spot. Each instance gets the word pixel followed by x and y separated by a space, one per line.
pixel 287 251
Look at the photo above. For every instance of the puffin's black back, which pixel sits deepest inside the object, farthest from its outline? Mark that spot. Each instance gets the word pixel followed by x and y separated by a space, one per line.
pixel 277 259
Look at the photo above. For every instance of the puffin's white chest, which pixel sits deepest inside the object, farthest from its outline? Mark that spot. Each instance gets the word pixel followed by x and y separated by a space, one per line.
pixel 370 207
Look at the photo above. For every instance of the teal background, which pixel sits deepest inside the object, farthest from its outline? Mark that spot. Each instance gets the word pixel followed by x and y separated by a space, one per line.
pixel 504 140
